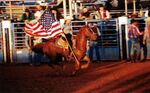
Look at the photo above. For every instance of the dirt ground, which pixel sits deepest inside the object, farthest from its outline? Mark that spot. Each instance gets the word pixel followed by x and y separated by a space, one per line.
pixel 102 77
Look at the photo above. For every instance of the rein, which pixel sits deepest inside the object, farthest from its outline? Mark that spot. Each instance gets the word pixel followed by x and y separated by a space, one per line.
pixel 91 30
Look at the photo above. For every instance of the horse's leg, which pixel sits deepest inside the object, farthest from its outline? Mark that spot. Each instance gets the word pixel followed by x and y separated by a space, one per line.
pixel 87 59
pixel 51 61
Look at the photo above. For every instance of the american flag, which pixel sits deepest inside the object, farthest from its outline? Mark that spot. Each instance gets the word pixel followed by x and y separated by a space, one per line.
pixel 46 27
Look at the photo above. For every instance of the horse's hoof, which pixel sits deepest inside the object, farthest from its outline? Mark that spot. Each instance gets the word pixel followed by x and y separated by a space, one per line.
pixel 84 66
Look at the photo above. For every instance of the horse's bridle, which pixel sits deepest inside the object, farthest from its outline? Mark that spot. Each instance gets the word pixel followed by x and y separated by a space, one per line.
pixel 91 30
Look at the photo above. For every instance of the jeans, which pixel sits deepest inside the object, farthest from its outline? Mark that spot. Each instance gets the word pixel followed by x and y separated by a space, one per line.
pixel 144 47
pixel 133 45
pixel 94 46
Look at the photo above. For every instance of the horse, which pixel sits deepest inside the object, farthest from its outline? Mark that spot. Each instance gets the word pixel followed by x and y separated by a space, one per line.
pixel 80 45
pixel 51 48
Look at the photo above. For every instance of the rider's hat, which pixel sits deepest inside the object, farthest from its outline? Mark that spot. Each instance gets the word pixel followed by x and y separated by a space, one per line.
pixel 68 18
pixel 41 3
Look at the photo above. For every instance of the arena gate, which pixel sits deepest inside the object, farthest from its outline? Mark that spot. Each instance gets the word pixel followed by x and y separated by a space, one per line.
pixel 21 48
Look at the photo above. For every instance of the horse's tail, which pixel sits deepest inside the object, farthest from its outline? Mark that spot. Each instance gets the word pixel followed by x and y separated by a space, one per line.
pixel 33 45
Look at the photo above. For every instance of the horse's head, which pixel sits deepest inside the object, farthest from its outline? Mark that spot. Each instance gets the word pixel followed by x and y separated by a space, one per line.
pixel 89 33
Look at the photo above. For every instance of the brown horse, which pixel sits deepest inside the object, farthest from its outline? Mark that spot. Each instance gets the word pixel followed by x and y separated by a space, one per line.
pixel 51 48
pixel 80 45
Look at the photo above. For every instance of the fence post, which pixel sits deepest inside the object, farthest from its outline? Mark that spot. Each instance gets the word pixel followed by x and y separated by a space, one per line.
pixel 7 40
pixel 123 34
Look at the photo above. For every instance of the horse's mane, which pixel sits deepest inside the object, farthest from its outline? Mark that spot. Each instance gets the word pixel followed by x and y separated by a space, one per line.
pixel 82 30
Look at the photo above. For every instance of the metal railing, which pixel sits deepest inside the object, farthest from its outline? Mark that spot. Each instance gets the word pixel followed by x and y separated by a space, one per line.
pixel 108 29
pixel 19 35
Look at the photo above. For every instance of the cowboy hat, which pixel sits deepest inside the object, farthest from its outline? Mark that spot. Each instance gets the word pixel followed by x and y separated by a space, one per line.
pixel 68 17
pixel 41 3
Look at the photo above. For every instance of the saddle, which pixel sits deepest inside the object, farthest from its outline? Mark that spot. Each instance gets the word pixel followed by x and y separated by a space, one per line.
pixel 61 42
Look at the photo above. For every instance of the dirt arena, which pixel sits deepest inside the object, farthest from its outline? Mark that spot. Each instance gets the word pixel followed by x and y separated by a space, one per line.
pixel 102 77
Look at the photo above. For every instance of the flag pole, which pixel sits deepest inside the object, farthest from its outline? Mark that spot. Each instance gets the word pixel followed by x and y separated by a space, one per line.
pixel 77 61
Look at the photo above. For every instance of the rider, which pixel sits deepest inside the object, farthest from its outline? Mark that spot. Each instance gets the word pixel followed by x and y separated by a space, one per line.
pixel 68 30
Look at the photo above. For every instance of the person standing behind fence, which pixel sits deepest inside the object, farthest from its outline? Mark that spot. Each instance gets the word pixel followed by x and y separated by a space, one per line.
pixel 102 13
pixel 146 36
pixel 133 43
pixel 93 45
pixel 143 46
pixel 147 29
pixel 85 14
pixel 57 15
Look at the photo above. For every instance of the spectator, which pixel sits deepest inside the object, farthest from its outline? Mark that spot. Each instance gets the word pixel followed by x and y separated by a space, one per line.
pixel 27 16
pixel 145 38
pixel 143 46
pixel 57 15
pixel 93 45
pixel 147 29
pixel 85 14
pixel 108 5
pixel 102 13
pixel 40 8
pixel 133 43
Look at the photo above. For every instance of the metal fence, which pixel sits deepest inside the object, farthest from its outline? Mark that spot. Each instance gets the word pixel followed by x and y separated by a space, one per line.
pixel 21 51
pixel 108 41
